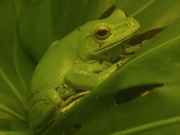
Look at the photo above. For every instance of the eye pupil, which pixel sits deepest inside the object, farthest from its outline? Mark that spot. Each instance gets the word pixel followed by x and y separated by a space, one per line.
pixel 102 32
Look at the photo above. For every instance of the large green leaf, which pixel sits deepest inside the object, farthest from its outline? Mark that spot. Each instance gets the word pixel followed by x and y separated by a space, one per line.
pixel 15 71
pixel 151 14
pixel 114 107
pixel 44 21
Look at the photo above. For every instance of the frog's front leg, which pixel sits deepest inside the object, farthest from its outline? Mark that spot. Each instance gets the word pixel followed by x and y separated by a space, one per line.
pixel 129 50
pixel 44 110
pixel 84 77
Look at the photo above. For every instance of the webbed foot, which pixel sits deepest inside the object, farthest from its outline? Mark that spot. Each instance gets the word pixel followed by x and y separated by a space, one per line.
pixel 44 109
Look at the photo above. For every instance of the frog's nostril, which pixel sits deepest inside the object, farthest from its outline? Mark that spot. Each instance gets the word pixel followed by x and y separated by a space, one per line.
pixel 129 23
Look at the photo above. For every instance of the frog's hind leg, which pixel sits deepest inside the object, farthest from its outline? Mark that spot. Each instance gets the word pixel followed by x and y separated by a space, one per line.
pixel 44 110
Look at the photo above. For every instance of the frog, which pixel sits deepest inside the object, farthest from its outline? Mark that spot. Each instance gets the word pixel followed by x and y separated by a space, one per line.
pixel 76 64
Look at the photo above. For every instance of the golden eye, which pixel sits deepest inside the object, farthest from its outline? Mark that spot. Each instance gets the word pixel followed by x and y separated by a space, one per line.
pixel 102 32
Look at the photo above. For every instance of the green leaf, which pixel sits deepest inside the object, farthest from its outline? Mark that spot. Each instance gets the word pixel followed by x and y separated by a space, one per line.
pixel 151 14
pixel 142 97
pixel 165 126
pixel 15 71
pixel 44 21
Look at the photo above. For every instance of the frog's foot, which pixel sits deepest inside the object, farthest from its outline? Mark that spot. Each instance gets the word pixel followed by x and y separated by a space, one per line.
pixel 66 91
pixel 44 110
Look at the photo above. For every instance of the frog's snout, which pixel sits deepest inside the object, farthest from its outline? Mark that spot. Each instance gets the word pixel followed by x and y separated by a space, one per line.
pixel 129 23
pixel 132 23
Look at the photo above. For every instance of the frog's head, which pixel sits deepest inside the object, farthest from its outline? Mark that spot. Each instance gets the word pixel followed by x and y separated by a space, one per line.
pixel 102 39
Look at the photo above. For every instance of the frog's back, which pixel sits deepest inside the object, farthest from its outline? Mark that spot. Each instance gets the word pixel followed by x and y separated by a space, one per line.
pixel 50 71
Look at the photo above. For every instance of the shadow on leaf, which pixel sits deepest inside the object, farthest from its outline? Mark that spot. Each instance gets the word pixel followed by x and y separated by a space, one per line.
pixel 134 92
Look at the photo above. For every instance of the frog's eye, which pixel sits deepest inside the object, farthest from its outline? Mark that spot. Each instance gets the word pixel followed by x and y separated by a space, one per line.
pixel 102 32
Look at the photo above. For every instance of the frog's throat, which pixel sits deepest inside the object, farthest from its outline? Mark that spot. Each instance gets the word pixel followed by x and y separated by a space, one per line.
pixel 115 43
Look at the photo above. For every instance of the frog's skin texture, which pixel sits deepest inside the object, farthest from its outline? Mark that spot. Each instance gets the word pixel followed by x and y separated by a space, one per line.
pixel 80 61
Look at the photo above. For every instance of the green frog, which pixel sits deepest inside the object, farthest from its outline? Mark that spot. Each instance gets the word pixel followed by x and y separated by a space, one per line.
pixel 76 64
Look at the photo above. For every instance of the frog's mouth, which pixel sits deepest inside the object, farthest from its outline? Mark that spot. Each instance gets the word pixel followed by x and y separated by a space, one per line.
pixel 115 43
